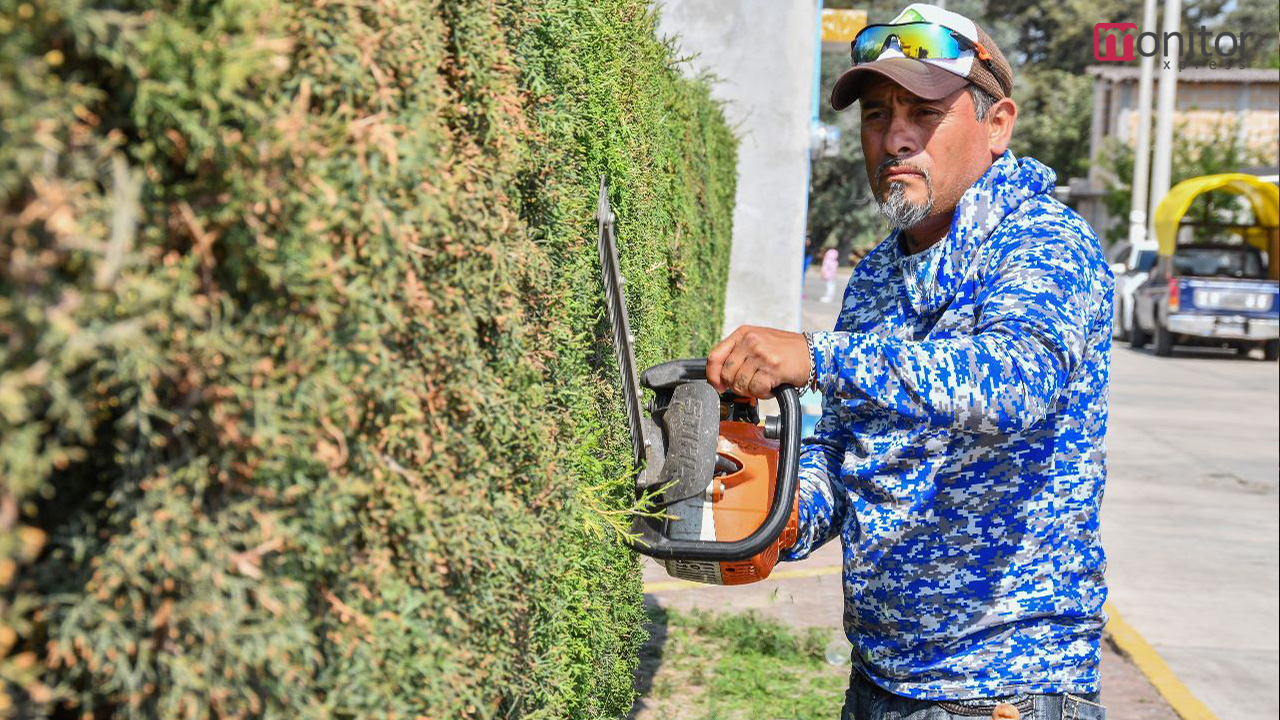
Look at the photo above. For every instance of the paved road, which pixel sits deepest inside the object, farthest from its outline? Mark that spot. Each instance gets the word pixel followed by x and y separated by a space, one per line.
pixel 1189 525
pixel 1190 520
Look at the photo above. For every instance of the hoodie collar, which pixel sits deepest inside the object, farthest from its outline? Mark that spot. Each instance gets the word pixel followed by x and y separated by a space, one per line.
pixel 933 275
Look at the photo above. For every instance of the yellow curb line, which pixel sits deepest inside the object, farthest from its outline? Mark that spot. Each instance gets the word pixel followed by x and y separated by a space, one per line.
pixel 1126 638
pixel 1178 695
pixel 664 586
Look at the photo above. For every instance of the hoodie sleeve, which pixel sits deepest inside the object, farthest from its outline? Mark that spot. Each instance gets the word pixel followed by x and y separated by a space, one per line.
pixel 822 505
pixel 1031 327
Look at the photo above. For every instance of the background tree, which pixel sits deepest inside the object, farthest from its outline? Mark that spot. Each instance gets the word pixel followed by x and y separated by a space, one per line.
pixel 1249 14
pixel 1192 157
pixel 842 211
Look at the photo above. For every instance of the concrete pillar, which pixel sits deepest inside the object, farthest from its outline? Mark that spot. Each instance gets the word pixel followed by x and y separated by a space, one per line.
pixel 1138 200
pixel 1242 117
pixel 763 53
pixel 1166 104
pixel 1101 86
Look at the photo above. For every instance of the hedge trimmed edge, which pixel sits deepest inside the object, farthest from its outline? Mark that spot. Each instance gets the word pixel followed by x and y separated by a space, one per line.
pixel 307 401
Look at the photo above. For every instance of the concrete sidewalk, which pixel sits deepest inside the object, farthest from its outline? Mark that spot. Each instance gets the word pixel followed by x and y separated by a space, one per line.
pixel 1190 520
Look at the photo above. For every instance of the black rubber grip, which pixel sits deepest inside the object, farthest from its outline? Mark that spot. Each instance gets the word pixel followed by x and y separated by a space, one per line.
pixel 649 541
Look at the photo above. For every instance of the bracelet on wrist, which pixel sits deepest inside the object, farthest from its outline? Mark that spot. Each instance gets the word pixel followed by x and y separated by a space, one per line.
pixel 812 383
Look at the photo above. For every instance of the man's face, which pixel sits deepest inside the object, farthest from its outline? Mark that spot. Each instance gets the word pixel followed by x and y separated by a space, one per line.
pixel 921 154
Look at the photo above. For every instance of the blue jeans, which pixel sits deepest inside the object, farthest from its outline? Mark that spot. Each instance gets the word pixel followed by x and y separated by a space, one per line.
pixel 867 701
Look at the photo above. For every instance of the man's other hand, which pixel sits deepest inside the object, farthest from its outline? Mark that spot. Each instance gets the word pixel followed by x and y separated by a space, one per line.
pixel 754 360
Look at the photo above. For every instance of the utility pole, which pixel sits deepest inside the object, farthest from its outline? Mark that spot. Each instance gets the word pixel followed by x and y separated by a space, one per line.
pixel 1142 149
pixel 1161 164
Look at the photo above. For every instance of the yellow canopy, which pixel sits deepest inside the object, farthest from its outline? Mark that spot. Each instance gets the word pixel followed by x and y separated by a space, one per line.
pixel 1263 196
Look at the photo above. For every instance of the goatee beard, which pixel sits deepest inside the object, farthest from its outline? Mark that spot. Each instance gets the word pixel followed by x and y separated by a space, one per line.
pixel 901 213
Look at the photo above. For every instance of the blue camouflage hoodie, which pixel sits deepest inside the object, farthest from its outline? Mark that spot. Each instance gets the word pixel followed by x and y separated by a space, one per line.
pixel 960 453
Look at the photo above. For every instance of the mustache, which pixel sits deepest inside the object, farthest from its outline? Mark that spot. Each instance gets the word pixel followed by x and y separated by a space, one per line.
pixel 895 162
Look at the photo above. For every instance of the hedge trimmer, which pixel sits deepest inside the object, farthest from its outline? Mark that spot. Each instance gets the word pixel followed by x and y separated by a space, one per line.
pixel 717 489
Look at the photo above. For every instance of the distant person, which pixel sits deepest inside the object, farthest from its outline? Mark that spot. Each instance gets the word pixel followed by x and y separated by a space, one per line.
pixel 830 264
pixel 959 458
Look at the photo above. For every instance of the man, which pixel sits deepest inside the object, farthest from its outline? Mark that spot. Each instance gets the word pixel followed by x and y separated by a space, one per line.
pixel 960 454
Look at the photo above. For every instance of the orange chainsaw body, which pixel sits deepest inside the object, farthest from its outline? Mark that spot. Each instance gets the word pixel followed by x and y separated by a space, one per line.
pixel 738 503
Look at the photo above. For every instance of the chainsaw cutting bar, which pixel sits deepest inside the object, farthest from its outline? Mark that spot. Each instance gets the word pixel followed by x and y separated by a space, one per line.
pixel 675 443
pixel 620 323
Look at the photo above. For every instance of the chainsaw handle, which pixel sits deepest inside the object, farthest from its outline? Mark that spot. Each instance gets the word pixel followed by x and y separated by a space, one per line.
pixel 673 372
pixel 648 541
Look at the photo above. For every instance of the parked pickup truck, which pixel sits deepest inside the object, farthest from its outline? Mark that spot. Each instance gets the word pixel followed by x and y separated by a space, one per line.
pixel 1132 265
pixel 1214 294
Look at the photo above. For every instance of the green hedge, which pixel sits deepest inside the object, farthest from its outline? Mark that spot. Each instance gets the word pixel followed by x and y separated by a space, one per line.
pixel 307 403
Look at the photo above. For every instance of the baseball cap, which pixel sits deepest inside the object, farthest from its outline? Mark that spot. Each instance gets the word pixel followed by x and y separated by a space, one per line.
pixel 978 61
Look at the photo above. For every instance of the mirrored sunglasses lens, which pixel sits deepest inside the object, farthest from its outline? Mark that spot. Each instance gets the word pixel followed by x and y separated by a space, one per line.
pixel 919 41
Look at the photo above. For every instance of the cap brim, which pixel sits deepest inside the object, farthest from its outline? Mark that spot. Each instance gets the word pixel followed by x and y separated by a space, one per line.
pixel 919 78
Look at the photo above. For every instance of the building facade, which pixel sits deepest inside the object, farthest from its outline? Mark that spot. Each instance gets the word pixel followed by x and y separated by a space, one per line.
pixel 1240 106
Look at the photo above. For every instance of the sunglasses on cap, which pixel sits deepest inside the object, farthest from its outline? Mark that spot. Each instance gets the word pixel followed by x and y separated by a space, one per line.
pixel 916 40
